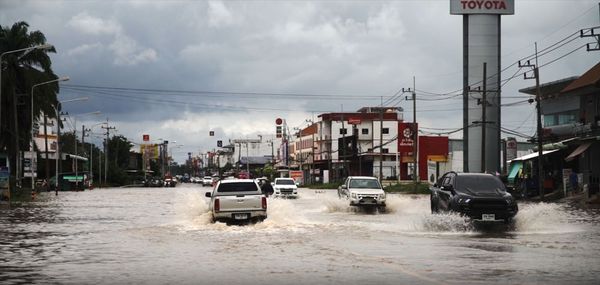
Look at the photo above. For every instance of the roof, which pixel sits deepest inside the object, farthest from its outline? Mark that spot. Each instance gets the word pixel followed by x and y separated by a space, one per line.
pixel 589 78
pixel 551 88
pixel 362 177
pixel 236 180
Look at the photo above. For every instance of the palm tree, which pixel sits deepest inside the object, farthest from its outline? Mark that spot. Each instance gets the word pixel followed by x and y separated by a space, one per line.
pixel 20 71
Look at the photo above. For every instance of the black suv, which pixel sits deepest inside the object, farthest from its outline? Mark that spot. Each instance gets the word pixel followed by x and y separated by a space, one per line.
pixel 482 197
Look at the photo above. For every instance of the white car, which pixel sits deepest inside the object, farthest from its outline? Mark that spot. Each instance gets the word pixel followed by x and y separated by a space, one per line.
pixel 237 200
pixel 285 187
pixel 207 181
pixel 363 191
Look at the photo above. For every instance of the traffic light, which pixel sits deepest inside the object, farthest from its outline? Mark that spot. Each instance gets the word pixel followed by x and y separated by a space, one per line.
pixel 278 131
pixel 220 143
pixel 211 133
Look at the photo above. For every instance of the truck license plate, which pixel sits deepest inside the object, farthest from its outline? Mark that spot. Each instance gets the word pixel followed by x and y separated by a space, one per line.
pixel 488 217
pixel 240 216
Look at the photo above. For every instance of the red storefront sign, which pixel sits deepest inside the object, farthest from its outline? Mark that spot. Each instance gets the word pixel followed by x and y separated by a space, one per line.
pixel 354 121
pixel 406 136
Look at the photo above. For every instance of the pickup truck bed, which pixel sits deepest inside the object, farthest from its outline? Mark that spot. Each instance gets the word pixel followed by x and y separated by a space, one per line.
pixel 238 200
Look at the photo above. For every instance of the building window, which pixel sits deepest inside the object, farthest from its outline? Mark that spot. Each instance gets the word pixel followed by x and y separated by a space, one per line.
pixel 385 131
pixel 343 131
pixel 385 150
pixel 365 131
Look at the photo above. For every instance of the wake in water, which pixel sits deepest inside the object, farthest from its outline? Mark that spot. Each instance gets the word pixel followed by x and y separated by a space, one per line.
pixel 193 214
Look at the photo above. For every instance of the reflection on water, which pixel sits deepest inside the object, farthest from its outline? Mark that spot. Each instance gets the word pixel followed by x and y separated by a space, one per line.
pixel 165 235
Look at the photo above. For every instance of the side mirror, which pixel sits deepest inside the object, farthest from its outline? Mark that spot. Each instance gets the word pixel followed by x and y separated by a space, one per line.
pixel 208 194
pixel 435 185
pixel 447 188
pixel 344 186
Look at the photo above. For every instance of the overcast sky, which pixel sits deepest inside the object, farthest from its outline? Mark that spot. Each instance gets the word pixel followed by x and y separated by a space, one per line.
pixel 236 66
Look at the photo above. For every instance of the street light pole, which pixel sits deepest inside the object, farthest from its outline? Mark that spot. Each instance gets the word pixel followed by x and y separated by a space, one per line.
pixel 66 78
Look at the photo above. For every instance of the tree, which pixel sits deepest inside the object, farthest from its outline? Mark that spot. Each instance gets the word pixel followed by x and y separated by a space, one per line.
pixel 118 159
pixel 20 71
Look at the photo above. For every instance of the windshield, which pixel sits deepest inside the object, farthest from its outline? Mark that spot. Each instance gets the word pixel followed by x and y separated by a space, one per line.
pixel 207 177
pixel 364 183
pixel 238 187
pixel 285 182
pixel 479 184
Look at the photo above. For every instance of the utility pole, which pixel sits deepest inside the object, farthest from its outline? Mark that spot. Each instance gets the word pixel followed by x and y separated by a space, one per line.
pixel 415 134
pixel 483 117
pixel 46 147
pixel 381 141
pixel 343 143
pixel 538 99
pixel 107 128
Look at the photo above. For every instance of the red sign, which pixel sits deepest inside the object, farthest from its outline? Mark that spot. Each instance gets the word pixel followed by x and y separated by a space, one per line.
pixel 146 137
pixel 278 121
pixel 354 121
pixel 406 136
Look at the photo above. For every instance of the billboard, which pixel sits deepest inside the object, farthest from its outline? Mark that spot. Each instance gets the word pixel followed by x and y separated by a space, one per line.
pixel 149 151
pixel 406 136
pixel 497 7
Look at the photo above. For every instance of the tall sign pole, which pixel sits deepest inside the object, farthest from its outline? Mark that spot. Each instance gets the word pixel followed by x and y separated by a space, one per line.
pixel 481 43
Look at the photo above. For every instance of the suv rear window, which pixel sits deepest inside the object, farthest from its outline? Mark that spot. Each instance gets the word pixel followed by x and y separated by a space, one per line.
pixel 237 187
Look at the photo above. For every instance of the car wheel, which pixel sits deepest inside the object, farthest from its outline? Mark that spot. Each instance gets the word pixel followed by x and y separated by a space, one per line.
pixel 434 208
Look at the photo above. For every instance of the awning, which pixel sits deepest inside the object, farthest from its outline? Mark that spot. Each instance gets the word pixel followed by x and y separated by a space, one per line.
pixel 579 150
pixel 77 157
pixel 514 170
pixel 533 155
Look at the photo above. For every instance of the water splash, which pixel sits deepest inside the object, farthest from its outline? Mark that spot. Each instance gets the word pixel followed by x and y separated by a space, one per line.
pixel 547 218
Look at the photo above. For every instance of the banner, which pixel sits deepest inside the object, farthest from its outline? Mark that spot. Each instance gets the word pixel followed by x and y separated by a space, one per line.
pixel 149 151
pixel 406 135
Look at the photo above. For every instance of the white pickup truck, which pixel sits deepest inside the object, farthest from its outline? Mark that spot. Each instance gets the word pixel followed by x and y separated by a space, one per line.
pixel 237 200
pixel 363 191
pixel 285 187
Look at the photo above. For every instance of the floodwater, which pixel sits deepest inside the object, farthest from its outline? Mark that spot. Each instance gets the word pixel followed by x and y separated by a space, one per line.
pixel 164 235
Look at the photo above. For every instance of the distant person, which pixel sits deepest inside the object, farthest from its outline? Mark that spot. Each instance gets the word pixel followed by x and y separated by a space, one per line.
pixel 266 187
pixel 573 179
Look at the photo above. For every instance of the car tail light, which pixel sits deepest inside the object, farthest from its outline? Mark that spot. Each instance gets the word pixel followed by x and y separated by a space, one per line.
pixel 264 203
pixel 217 206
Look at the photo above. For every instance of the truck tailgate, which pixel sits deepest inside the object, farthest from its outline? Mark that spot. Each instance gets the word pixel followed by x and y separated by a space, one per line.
pixel 235 203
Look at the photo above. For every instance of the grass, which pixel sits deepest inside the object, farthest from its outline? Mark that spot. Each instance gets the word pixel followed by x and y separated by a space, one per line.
pixel 422 188
pixel 324 186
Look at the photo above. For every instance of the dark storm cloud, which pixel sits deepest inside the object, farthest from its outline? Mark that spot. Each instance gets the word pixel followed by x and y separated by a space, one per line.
pixel 366 48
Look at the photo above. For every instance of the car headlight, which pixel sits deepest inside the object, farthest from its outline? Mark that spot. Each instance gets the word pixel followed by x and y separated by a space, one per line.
pixel 464 200
pixel 382 196
pixel 353 195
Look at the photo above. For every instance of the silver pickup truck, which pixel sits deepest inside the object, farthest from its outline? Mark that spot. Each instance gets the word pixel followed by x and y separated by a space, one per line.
pixel 237 200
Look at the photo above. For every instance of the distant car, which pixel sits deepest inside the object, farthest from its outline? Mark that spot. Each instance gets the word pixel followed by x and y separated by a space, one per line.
pixel 363 191
pixel 480 196
pixel 237 200
pixel 285 187
pixel 207 181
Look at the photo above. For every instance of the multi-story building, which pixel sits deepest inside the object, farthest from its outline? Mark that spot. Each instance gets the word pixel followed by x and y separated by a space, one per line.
pixel 351 143
pixel 571 127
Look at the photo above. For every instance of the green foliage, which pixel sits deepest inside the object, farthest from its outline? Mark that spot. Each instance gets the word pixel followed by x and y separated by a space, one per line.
pixel 333 185
pixel 409 188
pixel 20 72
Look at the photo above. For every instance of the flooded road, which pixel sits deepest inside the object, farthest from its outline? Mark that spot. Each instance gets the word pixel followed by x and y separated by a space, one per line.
pixel 163 235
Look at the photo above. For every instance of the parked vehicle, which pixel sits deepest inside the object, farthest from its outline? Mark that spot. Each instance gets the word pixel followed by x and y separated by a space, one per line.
pixel 170 181
pixel 237 200
pixel 363 191
pixel 285 188
pixel 480 196
pixel 207 181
